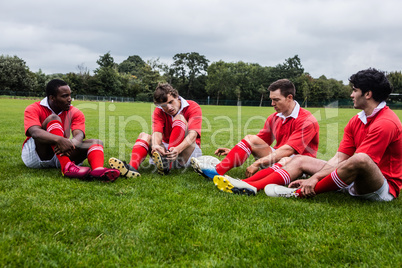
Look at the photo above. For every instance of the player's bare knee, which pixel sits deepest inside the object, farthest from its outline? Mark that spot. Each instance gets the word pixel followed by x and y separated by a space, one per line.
pixel 297 159
pixel 180 117
pixel 360 161
pixel 50 118
pixel 249 138
pixel 145 136
pixel 94 141
pixel 284 160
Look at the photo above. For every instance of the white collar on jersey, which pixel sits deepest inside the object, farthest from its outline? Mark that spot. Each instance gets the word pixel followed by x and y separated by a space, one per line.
pixel 45 103
pixel 363 117
pixel 294 114
pixel 184 104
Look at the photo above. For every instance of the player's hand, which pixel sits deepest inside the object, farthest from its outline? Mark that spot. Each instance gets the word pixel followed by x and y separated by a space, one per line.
pixel 160 149
pixel 306 186
pixel 251 170
pixel 296 184
pixel 64 146
pixel 76 142
pixel 222 151
pixel 172 154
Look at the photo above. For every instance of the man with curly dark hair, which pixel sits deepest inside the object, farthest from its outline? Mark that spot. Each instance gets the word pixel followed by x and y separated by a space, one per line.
pixel 368 161
pixel 176 136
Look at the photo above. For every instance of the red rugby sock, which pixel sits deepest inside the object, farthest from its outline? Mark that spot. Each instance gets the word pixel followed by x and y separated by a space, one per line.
pixel 263 173
pixel 95 156
pixel 330 183
pixel 236 157
pixel 54 127
pixel 139 153
pixel 280 177
pixel 178 133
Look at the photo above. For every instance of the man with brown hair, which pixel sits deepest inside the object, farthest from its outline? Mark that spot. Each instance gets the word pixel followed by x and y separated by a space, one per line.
pixel 367 164
pixel 176 136
pixel 294 129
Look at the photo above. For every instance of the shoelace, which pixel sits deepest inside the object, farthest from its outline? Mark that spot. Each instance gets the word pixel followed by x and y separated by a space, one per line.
pixel 292 194
pixel 73 168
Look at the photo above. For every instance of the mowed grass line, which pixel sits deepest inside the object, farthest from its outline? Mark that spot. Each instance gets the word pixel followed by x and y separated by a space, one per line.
pixel 181 219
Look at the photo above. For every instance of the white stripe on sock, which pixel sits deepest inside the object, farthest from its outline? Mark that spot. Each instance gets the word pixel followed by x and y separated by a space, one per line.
pixel 285 176
pixel 53 127
pixel 143 144
pixel 180 124
pixel 95 148
pixel 244 147
pixel 337 180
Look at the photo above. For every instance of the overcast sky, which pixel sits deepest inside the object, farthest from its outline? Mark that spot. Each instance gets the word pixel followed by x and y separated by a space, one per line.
pixel 332 38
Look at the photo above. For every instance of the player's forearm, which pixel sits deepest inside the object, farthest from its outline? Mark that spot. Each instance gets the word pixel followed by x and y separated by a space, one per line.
pixel 330 166
pixel 275 156
pixel 78 137
pixel 188 141
pixel 156 139
pixel 43 136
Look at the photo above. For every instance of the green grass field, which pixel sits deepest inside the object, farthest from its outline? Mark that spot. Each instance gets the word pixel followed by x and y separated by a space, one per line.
pixel 182 219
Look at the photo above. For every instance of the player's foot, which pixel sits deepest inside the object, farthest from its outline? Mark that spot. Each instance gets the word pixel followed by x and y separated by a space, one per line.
pixel 205 166
pixel 71 170
pixel 125 169
pixel 275 190
pixel 104 174
pixel 234 186
pixel 161 163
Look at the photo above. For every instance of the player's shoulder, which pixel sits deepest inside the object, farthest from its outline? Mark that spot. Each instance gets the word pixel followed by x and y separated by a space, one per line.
pixel 74 109
pixel 33 106
pixel 303 111
pixel 192 103
pixel 192 107
pixel 388 117
pixel 303 114
pixel 355 119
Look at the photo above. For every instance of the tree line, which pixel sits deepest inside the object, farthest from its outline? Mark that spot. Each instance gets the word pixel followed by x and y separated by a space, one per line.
pixel 191 74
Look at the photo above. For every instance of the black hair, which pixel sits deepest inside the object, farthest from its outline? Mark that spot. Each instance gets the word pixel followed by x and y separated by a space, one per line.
pixel 372 80
pixel 53 86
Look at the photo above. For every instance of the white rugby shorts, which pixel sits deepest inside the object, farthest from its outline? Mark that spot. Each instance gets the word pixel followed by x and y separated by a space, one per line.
pixel 381 194
pixel 31 158
pixel 196 153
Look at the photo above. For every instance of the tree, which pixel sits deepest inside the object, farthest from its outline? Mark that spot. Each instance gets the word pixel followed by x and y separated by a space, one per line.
pixel 188 67
pixel 105 61
pixel 258 82
pixel 290 69
pixel 41 80
pixel 263 91
pixel 144 75
pixel 107 77
pixel 241 73
pixel 15 75
pixel 132 65
pixel 219 80
pixel 395 79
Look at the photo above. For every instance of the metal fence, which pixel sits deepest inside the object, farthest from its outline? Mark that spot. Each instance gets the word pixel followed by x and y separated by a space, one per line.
pixel 393 102
pixel 103 98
